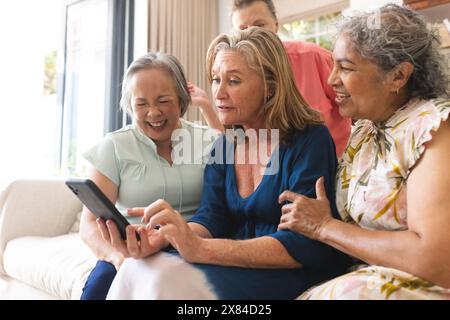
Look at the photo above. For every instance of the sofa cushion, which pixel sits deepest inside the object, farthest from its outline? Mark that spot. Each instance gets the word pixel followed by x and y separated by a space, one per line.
pixel 57 265
pixel 76 224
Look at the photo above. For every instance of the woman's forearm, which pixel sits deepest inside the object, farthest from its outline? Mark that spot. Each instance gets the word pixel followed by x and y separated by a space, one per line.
pixel 251 253
pixel 394 249
pixel 406 250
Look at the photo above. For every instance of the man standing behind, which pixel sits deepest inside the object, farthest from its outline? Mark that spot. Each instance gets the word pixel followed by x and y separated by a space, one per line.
pixel 310 63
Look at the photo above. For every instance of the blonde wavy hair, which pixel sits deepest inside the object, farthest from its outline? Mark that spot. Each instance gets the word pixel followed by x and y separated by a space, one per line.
pixel 284 109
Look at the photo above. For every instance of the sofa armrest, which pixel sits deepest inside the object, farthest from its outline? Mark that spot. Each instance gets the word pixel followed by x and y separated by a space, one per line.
pixel 36 208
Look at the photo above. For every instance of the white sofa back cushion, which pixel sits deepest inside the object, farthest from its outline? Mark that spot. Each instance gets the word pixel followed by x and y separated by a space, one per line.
pixel 42 208
pixel 57 265
pixel 76 224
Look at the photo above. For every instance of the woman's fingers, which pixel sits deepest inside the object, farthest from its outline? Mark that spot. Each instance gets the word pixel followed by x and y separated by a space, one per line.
pixel 132 242
pixel 287 208
pixel 115 238
pixel 321 193
pixel 166 216
pixel 101 226
pixel 286 217
pixel 144 243
pixel 287 196
pixel 169 231
pixel 136 212
pixel 292 196
pixel 111 235
pixel 154 208
pixel 282 226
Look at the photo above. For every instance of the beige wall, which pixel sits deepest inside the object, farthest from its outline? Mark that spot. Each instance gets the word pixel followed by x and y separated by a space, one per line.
pixel 184 28
pixel 286 9
pixel 295 9
pixel 223 14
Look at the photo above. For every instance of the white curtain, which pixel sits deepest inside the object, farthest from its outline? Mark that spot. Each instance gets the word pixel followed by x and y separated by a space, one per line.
pixel 185 29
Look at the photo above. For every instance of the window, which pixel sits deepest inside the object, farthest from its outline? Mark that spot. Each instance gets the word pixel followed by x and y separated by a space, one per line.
pixel 30 33
pixel 62 66
pixel 318 29
pixel 93 68
pixel 84 81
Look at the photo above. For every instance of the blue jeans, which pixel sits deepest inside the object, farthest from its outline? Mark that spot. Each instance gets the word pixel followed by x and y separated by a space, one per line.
pixel 99 280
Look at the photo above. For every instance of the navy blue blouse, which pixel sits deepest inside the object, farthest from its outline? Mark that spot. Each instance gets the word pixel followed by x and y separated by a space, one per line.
pixel 310 155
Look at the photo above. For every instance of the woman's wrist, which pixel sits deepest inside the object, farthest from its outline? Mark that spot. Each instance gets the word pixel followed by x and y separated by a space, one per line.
pixel 199 252
pixel 116 259
pixel 325 228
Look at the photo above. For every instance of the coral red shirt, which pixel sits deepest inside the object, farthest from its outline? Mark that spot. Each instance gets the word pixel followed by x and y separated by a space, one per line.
pixel 312 65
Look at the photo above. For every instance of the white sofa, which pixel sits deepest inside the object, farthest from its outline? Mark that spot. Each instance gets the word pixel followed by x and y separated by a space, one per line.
pixel 41 254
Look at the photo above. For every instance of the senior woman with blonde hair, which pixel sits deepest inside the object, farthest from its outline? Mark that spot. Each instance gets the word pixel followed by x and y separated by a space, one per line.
pixel 231 248
pixel 393 181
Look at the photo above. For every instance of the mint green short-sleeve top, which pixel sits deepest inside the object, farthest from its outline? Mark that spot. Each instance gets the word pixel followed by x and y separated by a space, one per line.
pixel 129 159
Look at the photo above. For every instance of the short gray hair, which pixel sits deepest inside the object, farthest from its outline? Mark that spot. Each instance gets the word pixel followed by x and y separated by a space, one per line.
pixel 161 61
pixel 400 36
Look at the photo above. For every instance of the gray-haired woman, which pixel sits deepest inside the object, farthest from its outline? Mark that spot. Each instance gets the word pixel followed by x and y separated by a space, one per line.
pixel 137 165
pixel 393 181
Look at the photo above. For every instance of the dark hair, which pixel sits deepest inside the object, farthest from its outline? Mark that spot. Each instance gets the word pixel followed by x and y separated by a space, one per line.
pixel 393 34
pixel 242 4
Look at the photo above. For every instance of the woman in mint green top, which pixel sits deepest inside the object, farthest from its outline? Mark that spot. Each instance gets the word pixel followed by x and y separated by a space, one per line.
pixel 159 156
pixel 130 160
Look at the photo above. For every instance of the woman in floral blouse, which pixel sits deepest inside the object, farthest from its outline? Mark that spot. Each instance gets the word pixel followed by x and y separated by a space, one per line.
pixel 393 180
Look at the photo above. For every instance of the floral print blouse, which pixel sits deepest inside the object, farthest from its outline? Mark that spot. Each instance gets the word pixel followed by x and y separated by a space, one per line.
pixel 372 175
pixel 371 192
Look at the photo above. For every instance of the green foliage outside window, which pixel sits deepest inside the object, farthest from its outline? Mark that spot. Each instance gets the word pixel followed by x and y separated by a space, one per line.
pixel 50 74
pixel 318 30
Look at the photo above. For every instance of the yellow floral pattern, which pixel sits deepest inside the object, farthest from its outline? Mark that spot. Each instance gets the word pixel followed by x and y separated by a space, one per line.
pixel 371 192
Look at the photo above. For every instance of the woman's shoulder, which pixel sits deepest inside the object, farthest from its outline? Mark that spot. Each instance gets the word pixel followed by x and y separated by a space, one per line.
pixel 422 111
pixel 417 119
pixel 313 139
pixel 127 141
pixel 442 106
pixel 111 139
pixel 121 134
pixel 312 134
pixel 426 117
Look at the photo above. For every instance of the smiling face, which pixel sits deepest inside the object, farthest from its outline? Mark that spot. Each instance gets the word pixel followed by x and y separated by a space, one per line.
pixel 362 92
pixel 155 104
pixel 255 15
pixel 238 90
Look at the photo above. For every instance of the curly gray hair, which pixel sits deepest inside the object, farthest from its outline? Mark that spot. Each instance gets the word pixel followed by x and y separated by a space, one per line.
pixel 161 61
pixel 401 35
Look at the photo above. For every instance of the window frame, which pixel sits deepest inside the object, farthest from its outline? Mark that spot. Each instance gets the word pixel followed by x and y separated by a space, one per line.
pixel 316 33
pixel 120 48
pixel 120 51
